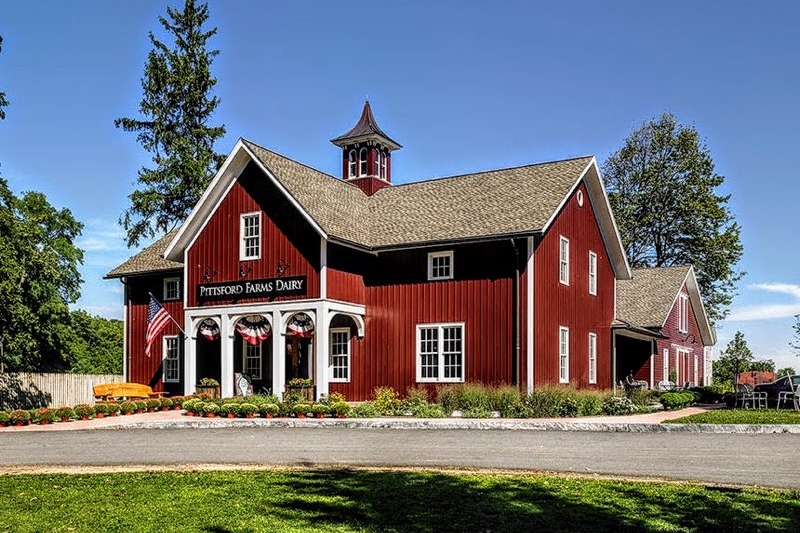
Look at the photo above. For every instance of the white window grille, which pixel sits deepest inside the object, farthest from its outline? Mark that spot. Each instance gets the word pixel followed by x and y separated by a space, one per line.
pixel 440 353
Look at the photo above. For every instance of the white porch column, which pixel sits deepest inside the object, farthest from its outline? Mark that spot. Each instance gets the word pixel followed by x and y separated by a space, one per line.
pixel 278 355
pixel 189 356
pixel 529 318
pixel 322 337
pixel 226 357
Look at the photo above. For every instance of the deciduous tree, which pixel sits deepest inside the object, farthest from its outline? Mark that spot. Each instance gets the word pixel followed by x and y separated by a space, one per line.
pixel 173 125
pixel 795 344
pixel 663 192
pixel 736 358
pixel 95 346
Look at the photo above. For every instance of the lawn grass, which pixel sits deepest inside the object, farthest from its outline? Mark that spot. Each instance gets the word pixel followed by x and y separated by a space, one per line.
pixel 392 501
pixel 740 416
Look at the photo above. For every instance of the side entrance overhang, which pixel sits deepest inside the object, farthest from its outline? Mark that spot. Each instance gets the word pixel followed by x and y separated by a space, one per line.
pixel 633 348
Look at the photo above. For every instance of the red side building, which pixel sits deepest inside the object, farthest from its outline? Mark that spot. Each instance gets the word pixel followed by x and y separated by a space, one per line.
pixel 282 271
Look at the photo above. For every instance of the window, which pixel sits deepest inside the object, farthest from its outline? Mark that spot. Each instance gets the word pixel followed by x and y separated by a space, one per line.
pixel 563 255
pixel 593 273
pixel 250 228
pixel 172 289
pixel 592 357
pixel 383 166
pixel 362 162
pixel 340 354
pixel 351 168
pixel 172 362
pixel 563 355
pixel 440 265
pixel 665 365
pixel 252 360
pixel 683 313
pixel 376 164
pixel 440 353
pixel 695 372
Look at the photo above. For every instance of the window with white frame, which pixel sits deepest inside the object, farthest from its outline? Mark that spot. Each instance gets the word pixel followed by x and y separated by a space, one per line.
pixel 563 259
pixel 172 288
pixel 250 229
pixel 695 376
pixel 440 265
pixel 592 357
pixel 172 362
pixel 251 359
pixel 376 163
pixel 593 273
pixel 340 354
pixel 383 166
pixel 351 167
pixel 683 313
pixel 362 162
pixel 665 365
pixel 563 355
pixel 440 353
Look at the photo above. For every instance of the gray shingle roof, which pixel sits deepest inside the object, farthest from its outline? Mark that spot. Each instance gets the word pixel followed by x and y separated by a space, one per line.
pixel 647 298
pixel 151 259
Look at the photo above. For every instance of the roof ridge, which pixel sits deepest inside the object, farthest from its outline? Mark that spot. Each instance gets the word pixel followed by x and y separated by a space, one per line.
pixel 295 161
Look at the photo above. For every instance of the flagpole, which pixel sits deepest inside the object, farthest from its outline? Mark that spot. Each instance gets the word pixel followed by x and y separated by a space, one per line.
pixel 168 313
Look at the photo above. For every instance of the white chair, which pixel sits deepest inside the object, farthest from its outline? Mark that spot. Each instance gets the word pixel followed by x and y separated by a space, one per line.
pixel 797 398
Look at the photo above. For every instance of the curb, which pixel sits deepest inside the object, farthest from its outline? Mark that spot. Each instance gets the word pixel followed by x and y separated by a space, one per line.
pixel 440 424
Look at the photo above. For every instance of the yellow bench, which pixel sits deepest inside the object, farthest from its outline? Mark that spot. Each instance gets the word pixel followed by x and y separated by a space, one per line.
pixel 109 392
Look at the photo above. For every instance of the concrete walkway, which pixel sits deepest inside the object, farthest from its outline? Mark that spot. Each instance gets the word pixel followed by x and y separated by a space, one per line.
pixel 650 422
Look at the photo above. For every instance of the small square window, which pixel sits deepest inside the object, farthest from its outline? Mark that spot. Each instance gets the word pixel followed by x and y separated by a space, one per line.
pixel 440 265
pixel 172 289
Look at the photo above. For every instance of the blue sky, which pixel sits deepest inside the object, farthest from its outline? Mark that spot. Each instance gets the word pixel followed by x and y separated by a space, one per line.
pixel 464 86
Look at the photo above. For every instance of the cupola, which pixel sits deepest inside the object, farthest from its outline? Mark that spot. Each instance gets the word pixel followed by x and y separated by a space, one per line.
pixel 366 154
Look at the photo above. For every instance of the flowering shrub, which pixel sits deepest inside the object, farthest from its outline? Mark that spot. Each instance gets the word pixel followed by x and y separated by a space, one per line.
pixel 4 416
pixel 128 407
pixel 299 382
pixel 19 416
pixel 84 410
pixel 248 409
pixel 45 415
pixel 65 413
pixel 618 405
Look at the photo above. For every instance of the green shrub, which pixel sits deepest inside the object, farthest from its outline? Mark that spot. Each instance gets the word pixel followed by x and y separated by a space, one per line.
pixel 507 401
pixel 247 409
pixel 447 398
pixel 365 410
pixel 641 397
pixel 141 405
pixel 340 408
pixel 476 412
pixel 84 410
pixel 165 404
pixel 590 403
pixel 301 408
pixel 551 402
pixel 229 408
pixel 101 408
pixel 618 405
pixel 268 408
pixel 474 398
pixel 319 409
pixel 153 404
pixel 65 413
pixel 45 415
pixel 19 416
pixel 429 410
pixel 415 401
pixel 4 416
pixel 113 408
pixel 128 407
pixel 387 401
pixel 677 400
pixel 210 408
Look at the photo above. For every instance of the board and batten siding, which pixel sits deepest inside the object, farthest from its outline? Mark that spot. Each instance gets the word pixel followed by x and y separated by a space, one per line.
pixel 286 237
pixel 571 306
pixel 24 390
pixel 690 341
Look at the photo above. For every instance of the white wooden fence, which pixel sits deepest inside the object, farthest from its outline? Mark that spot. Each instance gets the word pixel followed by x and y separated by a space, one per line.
pixel 27 390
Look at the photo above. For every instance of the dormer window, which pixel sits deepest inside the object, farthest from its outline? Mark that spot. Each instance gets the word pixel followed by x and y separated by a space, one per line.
pixel 362 162
pixel 351 157
pixel 383 166
pixel 376 163
pixel 440 265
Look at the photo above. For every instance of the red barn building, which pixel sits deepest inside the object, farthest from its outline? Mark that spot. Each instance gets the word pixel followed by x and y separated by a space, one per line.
pixel 282 271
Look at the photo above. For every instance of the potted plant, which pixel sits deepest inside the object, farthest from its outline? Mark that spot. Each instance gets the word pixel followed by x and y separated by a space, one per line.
pixel 153 404
pixel 301 409
pixel 4 416
pixel 19 417
pixel 45 416
pixel 65 414
pixel 229 410
pixel 340 409
pixel 208 386
pixel 319 410
pixel 101 410
pixel 190 406
pixel 83 411
pixel 128 407
pixel 210 409
pixel 248 410
pixel 113 408
pixel 141 406
pixel 166 404
pixel 268 410
pixel 302 387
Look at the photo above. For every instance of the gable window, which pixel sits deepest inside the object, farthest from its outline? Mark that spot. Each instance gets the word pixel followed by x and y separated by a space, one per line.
pixel 376 163
pixel 440 265
pixel 172 289
pixel 563 355
pixel 250 229
pixel 351 164
pixel 252 360
pixel 383 166
pixel 592 357
pixel 340 355
pixel 440 353
pixel 172 363
pixel 593 273
pixel 362 162
pixel 683 313
pixel 563 258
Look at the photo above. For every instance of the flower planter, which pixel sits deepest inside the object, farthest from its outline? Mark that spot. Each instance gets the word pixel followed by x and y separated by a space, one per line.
pixel 65 419
pixel 100 415
pixel 248 415
pixel 301 415
pixel 230 415
pixel 213 390
pixel 269 415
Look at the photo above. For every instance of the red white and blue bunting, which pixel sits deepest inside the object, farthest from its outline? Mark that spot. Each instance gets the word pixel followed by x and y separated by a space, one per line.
pixel 300 325
pixel 209 329
pixel 254 329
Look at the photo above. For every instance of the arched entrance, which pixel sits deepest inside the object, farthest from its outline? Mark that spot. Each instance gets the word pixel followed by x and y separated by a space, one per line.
pixel 252 355
pixel 299 347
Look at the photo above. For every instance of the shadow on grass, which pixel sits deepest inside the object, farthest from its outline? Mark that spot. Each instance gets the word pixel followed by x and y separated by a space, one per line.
pixel 418 501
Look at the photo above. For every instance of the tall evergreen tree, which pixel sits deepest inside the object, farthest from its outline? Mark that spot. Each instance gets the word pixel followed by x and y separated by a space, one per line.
pixel 175 109
pixel 663 192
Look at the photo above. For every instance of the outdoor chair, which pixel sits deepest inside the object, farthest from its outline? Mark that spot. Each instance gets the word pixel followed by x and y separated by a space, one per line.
pixel 746 397
pixel 665 386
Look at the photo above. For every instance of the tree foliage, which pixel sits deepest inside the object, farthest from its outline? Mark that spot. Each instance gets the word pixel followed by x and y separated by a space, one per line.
pixel 95 346
pixel 762 365
pixel 3 99
pixel 175 109
pixel 39 262
pixel 736 358
pixel 662 189
pixel 795 344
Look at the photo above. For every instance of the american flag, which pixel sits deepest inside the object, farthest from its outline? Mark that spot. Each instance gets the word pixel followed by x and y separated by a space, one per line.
pixel 157 320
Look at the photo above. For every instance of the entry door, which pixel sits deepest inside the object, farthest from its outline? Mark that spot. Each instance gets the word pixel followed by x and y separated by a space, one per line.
pixel 299 357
